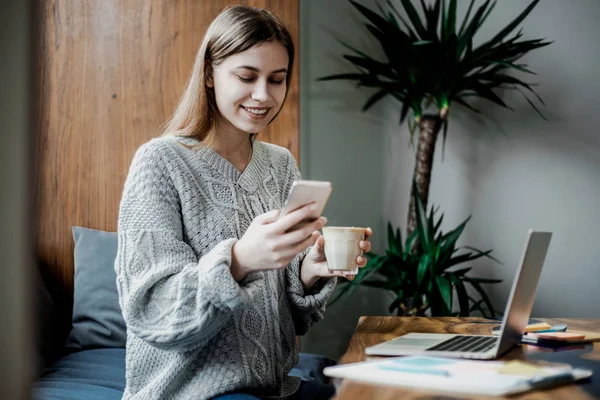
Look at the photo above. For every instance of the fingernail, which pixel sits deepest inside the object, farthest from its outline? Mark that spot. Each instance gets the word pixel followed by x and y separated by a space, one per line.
pixel 313 207
pixel 323 220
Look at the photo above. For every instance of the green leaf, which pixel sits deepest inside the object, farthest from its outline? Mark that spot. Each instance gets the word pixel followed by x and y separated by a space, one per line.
pixel 514 66
pixel 466 105
pixel 533 105
pixel 462 258
pixel 445 290
pixel 414 18
pixel 369 64
pixel 410 240
pixel 466 19
pixel 461 294
pixel 473 26
pixel 461 271
pixel 483 253
pixel 391 239
pixel 477 305
pixel 451 237
pixel 481 280
pixel 373 17
pixel 423 268
pixel 374 99
pixel 483 295
pixel 411 33
pixel 399 240
pixel 373 266
pixel 510 27
pixel 350 76
pixel 451 24
pixel 438 224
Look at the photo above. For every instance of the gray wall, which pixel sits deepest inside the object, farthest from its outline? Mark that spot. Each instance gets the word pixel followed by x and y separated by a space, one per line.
pixel 15 330
pixel 512 171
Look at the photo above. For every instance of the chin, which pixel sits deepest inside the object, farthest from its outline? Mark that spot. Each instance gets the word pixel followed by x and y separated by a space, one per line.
pixel 250 127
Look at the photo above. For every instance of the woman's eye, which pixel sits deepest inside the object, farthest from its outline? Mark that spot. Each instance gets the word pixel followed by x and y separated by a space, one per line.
pixel 276 82
pixel 245 79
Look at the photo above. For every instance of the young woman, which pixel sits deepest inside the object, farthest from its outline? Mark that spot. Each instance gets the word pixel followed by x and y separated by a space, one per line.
pixel 213 286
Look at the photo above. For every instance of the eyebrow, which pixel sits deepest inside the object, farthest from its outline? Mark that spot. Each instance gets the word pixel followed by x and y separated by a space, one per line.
pixel 258 70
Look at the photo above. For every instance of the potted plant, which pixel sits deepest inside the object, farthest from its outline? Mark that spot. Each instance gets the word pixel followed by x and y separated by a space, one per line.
pixel 421 273
pixel 431 65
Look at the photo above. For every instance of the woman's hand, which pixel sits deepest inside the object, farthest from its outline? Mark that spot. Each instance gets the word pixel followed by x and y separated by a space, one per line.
pixel 315 265
pixel 270 243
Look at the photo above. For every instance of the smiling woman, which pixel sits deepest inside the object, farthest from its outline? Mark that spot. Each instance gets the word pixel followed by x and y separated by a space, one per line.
pixel 214 286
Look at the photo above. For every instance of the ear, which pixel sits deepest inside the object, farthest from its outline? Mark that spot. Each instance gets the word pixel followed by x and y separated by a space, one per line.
pixel 209 76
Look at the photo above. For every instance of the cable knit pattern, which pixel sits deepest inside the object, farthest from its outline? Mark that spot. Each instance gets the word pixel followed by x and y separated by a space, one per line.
pixel 193 332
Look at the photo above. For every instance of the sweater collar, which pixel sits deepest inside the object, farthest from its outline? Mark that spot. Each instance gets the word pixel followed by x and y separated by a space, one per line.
pixel 251 177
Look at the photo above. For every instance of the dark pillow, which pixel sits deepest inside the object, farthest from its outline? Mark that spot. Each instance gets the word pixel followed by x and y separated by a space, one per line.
pixel 97 318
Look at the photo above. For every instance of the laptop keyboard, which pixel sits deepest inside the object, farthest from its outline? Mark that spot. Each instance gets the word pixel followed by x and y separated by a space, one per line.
pixel 472 344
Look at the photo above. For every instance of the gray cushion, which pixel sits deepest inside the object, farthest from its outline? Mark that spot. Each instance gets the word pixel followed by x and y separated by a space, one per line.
pixel 97 318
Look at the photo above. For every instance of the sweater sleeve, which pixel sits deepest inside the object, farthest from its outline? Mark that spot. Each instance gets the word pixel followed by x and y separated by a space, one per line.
pixel 307 307
pixel 169 297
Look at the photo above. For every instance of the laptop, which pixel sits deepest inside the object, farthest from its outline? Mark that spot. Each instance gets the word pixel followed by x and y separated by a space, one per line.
pixel 516 317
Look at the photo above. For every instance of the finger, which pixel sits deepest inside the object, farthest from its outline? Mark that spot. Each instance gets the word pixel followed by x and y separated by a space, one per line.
pixel 361 261
pixel 284 223
pixel 320 242
pixel 268 217
pixel 368 233
pixel 306 243
pixel 365 246
pixel 300 234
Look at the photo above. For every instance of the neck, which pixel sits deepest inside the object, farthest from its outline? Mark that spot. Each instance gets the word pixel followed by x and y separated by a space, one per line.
pixel 232 144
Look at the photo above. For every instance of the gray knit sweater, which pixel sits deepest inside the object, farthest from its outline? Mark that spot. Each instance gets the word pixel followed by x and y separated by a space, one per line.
pixel 193 332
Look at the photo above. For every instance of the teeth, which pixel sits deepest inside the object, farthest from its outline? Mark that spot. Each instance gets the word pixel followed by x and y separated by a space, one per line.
pixel 257 112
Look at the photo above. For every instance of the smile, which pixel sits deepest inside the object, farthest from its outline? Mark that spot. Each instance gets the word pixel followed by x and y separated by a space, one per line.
pixel 257 110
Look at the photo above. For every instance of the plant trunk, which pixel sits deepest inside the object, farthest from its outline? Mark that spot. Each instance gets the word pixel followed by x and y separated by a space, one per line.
pixel 429 127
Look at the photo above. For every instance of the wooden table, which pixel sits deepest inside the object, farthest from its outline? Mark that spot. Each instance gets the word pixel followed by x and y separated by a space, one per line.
pixel 373 330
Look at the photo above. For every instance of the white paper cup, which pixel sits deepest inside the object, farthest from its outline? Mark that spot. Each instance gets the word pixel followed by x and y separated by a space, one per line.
pixel 342 247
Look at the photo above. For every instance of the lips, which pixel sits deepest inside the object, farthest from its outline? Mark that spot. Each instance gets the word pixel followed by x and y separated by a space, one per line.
pixel 256 112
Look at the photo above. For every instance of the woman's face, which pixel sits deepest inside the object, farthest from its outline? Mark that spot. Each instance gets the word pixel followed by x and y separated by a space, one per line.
pixel 250 87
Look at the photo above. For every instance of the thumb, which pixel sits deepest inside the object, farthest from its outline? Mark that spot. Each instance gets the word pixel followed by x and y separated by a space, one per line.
pixel 320 244
pixel 268 217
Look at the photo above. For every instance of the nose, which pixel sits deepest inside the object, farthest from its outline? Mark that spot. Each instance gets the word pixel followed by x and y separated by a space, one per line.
pixel 260 91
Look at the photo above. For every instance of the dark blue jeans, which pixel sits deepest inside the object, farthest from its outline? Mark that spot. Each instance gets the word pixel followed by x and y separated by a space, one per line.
pixel 309 390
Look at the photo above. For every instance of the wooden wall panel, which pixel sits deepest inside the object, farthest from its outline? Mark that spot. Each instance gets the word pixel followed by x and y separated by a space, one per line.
pixel 110 72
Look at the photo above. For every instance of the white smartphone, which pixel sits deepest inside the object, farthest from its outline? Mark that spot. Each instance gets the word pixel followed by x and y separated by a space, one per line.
pixel 303 192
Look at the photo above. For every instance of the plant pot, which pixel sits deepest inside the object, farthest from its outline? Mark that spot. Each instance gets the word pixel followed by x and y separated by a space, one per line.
pixel 410 308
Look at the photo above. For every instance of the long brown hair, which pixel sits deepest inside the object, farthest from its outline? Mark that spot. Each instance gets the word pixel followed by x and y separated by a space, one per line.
pixel 234 30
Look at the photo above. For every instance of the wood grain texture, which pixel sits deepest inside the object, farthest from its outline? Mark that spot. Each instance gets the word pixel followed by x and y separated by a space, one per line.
pixel 374 330
pixel 110 73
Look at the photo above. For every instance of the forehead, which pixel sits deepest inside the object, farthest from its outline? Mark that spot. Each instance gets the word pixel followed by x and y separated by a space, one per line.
pixel 266 57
